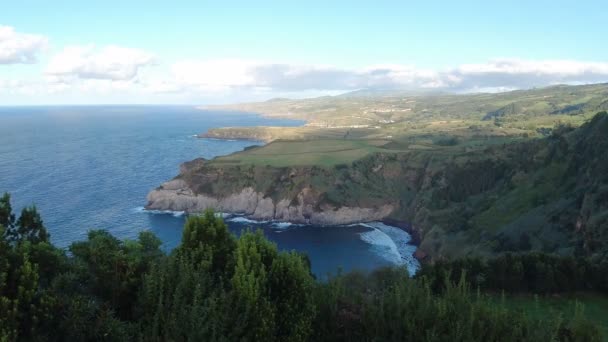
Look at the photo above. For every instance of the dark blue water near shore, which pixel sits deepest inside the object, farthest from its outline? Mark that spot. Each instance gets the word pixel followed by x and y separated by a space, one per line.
pixel 91 167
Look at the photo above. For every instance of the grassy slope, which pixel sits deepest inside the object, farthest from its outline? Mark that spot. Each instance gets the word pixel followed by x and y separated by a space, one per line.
pixel 595 306
pixel 481 194
pixel 402 115
pixel 326 153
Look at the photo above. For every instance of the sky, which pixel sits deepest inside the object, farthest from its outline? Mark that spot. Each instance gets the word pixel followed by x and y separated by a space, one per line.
pixel 208 52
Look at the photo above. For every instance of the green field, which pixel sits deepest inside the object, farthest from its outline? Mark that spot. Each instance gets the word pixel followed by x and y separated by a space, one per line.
pixel 342 129
pixel 595 306
pixel 398 113
pixel 326 152
pixel 479 174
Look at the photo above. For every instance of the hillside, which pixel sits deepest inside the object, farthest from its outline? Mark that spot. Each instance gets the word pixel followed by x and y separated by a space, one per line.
pixel 402 114
pixel 463 198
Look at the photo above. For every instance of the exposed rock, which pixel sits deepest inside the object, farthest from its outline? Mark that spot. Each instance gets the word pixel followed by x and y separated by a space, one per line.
pixel 176 195
pixel 457 204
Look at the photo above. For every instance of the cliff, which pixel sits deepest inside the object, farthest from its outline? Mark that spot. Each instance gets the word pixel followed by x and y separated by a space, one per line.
pixel 242 133
pixel 545 194
pixel 307 208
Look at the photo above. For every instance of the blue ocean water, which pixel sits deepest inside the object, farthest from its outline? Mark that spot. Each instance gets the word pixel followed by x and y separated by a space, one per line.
pixel 88 167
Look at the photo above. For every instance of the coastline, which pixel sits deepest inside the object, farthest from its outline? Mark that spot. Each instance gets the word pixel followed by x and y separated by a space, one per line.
pixel 243 109
pixel 260 133
pixel 413 239
pixel 409 258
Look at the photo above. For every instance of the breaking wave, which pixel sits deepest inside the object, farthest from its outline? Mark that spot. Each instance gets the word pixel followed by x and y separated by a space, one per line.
pixel 279 225
pixel 159 212
pixel 392 244
pixel 242 219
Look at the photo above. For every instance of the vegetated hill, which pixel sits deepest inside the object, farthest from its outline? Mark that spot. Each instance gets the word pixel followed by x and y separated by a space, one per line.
pixel 547 194
pixel 391 92
pixel 397 111
pixel 510 109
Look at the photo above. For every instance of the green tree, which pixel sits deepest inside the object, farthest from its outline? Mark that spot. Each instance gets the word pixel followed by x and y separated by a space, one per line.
pixel 207 239
pixel 115 268
pixel 7 218
pixel 30 226
pixel 252 312
pixel 291 294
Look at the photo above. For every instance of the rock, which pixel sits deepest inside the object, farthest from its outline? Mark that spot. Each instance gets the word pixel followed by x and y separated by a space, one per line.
pixel 177 196
pixel 264 209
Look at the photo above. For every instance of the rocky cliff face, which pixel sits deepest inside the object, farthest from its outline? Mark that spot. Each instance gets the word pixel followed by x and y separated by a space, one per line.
pixel 547 194
pixel 177 196
pixel 406 187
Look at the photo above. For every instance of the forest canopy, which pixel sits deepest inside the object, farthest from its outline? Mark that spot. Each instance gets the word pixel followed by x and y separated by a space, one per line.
pixel 216 286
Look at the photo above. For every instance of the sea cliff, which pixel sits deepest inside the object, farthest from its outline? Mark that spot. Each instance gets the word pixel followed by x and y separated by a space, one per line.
pixel 175 195
pixel 544 194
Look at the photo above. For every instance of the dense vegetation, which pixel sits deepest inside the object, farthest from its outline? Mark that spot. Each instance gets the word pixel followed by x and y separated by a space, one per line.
pixel 405 115
pixel 523 273
pixel 216 286
pixel 546 194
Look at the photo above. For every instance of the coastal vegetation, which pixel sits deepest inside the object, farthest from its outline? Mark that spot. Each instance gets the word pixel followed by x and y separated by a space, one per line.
pixel 406 116
pixel 217 286
pixel 504 195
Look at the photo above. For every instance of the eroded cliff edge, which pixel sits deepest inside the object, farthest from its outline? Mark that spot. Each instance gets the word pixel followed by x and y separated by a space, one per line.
pixel 176 195
pixel 546 194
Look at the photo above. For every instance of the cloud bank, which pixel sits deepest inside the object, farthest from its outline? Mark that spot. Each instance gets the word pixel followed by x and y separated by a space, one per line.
pixel 19 48
pixel 498 74
pixel 117 74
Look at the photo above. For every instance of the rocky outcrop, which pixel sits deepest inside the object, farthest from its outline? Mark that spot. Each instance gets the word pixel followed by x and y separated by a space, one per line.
pixel 544 194
pixel 177 196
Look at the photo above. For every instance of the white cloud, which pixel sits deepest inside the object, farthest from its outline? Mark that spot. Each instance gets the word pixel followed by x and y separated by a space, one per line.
pixel 19 48
pixel 115 74
pixel 110 63
pixel 215 73
pixel 224 75
pixel 547 67
pixel 520 74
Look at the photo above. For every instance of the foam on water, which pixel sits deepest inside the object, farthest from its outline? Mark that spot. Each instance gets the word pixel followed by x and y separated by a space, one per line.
pixel 281 225
pixel 383 244
pixel 285 225
pixel 159 212
pixel 273 224
pixel 392 243
pixel 242 219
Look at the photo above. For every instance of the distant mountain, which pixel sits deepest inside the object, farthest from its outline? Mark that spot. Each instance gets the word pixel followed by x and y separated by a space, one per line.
pixel 374 92
pixel 515 110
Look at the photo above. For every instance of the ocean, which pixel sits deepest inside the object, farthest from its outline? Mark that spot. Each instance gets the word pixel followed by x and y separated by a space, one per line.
pixel 91 167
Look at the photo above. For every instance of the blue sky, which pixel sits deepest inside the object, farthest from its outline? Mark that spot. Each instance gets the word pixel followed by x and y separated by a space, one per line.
pixel 207 52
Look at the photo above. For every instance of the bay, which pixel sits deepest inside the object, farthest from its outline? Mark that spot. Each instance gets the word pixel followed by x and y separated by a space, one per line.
pixel 91 167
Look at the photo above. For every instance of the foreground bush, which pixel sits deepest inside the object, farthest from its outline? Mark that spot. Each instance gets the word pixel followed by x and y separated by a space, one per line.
pixel 217 287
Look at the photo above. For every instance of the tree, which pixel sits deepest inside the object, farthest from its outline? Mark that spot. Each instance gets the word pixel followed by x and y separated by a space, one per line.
pixel 115 268
pixel 207 239
pixel 216 287
pixel 291 286
pixel 30 226
pixel 252 312
pixel 7 218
